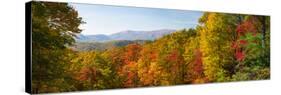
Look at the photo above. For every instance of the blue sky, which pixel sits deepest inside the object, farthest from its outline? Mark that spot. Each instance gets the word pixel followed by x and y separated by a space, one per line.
pixel 101 19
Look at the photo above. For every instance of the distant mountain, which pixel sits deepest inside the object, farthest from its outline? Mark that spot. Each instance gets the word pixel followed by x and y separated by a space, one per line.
pixel 88 46
pixel 126 35
pixel 140 35
pixel 89 38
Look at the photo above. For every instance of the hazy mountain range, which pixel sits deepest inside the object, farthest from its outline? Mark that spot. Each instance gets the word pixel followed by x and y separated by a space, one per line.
pixel 125 35
pixel 88 46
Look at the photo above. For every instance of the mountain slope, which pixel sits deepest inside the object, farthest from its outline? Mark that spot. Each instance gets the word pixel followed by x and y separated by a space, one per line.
pixel 88 46
pixel 126 35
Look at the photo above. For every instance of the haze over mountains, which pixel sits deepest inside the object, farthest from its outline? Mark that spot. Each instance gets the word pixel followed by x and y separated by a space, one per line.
pixel 125 35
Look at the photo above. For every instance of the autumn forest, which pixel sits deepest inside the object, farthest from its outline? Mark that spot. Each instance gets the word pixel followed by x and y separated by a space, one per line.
pixel 222 47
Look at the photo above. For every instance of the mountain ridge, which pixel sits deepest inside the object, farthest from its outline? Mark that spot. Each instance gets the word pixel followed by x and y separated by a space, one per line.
pixel 125 35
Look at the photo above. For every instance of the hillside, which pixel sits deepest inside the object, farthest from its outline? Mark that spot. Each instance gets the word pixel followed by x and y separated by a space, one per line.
pixel 125 35
pixel 87 46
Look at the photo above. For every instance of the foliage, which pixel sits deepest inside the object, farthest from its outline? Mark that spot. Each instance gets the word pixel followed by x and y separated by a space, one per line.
pixel 223 47
pixel 215 41
pixel 53 28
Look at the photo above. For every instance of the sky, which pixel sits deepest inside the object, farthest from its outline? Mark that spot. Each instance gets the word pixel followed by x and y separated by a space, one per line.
pixel 103 19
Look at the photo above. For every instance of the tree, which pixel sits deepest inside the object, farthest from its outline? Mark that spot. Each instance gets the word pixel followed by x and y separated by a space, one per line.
pixel 192 57
pixel 252 50
pixel 129 69
pixel 53 28
pixel 93 71
pixel 147 67
pixel 216 35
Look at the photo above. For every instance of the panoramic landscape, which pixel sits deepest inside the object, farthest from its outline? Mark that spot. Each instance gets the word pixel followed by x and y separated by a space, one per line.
pixel 82 47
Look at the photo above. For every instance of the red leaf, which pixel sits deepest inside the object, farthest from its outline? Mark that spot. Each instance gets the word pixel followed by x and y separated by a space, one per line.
pixel 240 55
pixel 243 42
pixel 234 45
